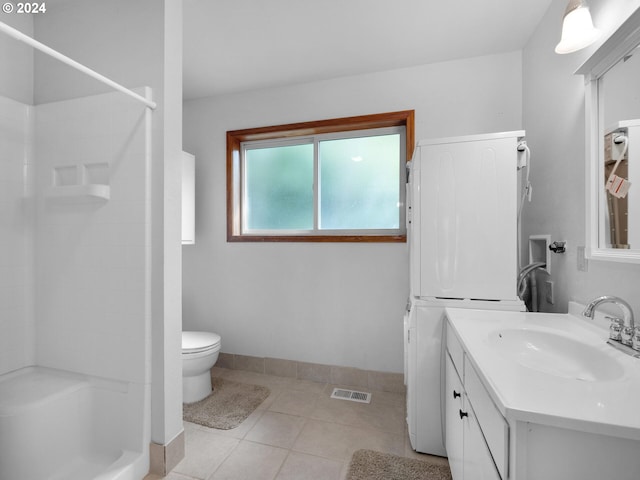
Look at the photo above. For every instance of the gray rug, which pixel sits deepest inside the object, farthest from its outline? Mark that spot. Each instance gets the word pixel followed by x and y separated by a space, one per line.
pixel 371 465
pixel 228 406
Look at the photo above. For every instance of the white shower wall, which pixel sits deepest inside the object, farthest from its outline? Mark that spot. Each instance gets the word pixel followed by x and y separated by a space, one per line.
pixel 92 255
pixel 16 234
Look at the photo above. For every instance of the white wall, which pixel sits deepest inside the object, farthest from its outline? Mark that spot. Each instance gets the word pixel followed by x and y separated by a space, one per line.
pixel 91 254
pixel 553 112
pixel 17 327
pixel 16 74
pixel 123 40
pixel 337 304
pixel 167 256
pixel 621 99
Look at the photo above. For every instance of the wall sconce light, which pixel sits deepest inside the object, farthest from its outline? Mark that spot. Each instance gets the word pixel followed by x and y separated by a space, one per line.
pixel 577 28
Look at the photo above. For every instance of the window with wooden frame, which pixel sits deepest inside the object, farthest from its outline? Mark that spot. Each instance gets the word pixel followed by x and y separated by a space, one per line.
pixel 339 180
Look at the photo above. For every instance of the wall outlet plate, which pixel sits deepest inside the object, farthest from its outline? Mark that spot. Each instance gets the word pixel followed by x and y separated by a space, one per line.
pixel 548 288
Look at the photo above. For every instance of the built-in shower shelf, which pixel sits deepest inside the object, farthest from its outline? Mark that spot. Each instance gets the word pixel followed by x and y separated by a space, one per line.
pixel 80 192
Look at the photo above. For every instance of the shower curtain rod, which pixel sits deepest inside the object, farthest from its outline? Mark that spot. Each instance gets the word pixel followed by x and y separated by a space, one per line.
pixel 18 35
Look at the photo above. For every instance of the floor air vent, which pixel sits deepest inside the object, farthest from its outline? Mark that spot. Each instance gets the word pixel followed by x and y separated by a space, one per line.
pixel 342 394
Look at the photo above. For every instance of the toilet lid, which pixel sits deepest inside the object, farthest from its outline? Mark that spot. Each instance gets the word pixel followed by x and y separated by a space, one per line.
pixel 193 342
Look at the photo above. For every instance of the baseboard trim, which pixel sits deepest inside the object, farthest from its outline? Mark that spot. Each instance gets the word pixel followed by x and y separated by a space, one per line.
pixel 315 372
pixel 163 458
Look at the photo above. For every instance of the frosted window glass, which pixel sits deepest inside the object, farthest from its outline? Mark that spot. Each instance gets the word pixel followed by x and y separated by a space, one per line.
pixel 360 183
pixel 279 186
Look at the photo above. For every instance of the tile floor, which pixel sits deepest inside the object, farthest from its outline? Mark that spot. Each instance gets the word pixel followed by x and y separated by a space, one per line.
pixel 297 433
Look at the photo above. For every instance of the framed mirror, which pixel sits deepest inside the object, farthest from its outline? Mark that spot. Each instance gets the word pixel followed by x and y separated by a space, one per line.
pixel 612 108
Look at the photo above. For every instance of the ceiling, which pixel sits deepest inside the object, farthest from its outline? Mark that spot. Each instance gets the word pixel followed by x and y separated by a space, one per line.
pixel 239 45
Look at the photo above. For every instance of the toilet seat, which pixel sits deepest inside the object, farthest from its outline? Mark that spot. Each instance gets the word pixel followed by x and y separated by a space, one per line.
pixel 198 342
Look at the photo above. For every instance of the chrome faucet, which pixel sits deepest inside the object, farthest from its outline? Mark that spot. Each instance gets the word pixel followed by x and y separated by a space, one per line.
pixel 627 313
pixel 622 331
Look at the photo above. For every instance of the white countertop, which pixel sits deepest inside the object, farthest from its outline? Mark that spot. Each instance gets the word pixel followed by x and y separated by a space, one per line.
pixel 521 393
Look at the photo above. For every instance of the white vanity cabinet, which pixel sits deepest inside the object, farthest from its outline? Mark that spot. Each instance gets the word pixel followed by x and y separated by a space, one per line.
pixel 526 423
pixel 469 440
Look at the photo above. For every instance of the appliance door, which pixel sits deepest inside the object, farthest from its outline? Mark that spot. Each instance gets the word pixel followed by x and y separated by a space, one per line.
pixel 466 202
pixel 424 343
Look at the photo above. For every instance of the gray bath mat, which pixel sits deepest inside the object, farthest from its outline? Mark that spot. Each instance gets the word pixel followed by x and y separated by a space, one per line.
pixel 371 465
pixel 227 406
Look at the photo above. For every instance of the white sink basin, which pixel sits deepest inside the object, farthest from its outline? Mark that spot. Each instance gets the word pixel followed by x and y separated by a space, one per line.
pixel 553 369
pixel 555 354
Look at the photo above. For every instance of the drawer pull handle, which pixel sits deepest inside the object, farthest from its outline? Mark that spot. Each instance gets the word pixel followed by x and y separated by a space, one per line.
pixel 455 394
pixel 463 414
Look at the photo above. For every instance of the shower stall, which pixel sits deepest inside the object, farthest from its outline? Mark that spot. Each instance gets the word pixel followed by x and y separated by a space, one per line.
pixel 75 284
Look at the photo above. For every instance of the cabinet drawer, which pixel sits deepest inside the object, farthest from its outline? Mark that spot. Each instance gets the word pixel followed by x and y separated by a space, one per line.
pixel 455 351
pixel 493 425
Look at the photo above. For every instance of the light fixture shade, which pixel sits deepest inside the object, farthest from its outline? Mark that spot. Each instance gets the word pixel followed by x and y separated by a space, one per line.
pixel 577 28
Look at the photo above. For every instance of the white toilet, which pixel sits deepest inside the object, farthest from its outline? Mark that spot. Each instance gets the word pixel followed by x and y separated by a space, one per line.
pixel 199 353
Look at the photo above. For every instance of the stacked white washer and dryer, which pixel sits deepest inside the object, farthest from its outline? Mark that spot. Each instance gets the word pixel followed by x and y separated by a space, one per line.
pixel 462 201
